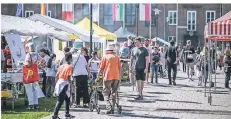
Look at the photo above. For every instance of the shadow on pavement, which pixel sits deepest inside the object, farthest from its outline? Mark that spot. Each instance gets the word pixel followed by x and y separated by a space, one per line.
pixel 142 101
pixel 178 101
pixel 196 111
pixel 158 93
pixel 126 114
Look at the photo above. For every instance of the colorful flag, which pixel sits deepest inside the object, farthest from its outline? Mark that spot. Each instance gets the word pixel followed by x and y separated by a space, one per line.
pixel 118 12
pixel 67 10
pixel 95 12
pixel 43 9
pixel 19 10
pixel 145 12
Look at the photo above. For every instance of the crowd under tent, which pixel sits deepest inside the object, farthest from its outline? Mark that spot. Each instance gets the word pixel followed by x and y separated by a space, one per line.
pixel 67 27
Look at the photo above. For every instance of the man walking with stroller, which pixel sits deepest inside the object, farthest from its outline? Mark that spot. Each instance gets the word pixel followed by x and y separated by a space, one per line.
pixel 110 66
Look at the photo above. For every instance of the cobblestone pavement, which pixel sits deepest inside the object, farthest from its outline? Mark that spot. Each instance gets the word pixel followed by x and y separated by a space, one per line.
pixel 161 101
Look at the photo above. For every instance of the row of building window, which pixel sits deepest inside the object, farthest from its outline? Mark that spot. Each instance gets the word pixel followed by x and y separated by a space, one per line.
pixel 130 17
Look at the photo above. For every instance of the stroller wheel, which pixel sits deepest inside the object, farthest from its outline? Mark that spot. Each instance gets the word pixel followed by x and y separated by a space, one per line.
pixel 98 110
pixel 119 109
pixel 91 108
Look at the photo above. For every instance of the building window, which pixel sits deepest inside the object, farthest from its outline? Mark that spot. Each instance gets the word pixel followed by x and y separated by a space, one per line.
pixel 49 13
pixel 171 38
pixel 153 17
pixel 210 16
pixel 172 17
pixel 107 14
pixel 191 20
pixel 85 9
pixel 29 13
pixel 130 17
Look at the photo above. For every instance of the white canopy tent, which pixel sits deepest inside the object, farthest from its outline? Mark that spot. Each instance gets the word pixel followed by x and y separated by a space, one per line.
pixel 161 40
pixel 66 26
pixel 27 27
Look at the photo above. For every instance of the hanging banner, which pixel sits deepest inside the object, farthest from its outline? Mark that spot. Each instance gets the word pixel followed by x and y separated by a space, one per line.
pixel 16 47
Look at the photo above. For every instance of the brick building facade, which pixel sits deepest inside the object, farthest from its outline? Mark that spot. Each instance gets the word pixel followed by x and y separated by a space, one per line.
pixel 191 18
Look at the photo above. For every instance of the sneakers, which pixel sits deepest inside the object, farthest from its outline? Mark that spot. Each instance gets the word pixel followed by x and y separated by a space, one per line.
pixel 110 112
pixel 174 83
pixel 85 106
pixel 139 97
pixel 55 117
pixel 69 116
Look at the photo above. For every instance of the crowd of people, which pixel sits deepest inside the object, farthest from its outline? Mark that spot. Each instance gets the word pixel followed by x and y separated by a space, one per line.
pixel 142 59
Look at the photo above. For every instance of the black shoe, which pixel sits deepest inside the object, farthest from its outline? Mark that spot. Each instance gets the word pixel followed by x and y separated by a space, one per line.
pixel 174 83
pixel 156 81
pixel 169 83
pixel 110 112
pixel 55 117
pixel 139 97
pixel 36 106
pixel 69 116
pixel 85 106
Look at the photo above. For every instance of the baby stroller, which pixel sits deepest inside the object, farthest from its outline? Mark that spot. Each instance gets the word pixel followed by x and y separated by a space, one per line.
pixel 96 95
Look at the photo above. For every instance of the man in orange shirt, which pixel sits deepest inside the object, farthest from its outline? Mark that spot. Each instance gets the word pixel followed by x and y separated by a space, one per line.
pixel 110 66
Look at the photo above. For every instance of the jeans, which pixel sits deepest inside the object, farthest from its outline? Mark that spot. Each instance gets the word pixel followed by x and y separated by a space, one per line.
pixel 227 79
pixel 50 85
pixel 81 84
pixel 155 70
pixel 44 82
pixel 172 66
pixel 184 67
pixel 60 99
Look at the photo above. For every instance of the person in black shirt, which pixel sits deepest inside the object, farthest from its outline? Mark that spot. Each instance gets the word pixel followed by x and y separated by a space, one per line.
pixel 189 56
pixel 172 56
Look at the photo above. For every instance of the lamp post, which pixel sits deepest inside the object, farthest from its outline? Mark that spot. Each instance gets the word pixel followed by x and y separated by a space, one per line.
pixel 137 20
pixel 157 12
pixel 167 23
pixel 91 32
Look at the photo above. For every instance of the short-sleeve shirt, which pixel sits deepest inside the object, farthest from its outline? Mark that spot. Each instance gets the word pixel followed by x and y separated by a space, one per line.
pixel 79 66
pixel 186 54
pixel 138 56
pixel 64 71
pixel 110 65
pixel 35 58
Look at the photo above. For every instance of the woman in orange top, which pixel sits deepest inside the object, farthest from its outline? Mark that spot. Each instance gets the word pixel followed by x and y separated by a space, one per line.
pixel 110 66
pixel 62 87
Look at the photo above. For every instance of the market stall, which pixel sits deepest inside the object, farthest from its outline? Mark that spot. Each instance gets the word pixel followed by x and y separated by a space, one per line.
pixel 217 30
pixel 12 29
pixel 122 34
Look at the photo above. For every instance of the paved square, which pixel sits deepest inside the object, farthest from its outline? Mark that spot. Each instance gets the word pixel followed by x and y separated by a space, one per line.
pixel 161 101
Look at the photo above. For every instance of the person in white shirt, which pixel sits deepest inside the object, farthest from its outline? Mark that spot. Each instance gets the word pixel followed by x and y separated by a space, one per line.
pixel 44 55
pixel 93 65
pixel 33 90
pixel 162 61
pixel 149 49
pixel 50 74
pixel 80 74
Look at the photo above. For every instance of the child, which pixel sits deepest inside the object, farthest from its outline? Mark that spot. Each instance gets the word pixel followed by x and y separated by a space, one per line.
pixel 51 72
pixel 62 88
pixel 155 63
pixel 93 65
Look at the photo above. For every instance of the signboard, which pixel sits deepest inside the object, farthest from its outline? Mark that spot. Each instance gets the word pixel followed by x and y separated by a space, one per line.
pixel 16 47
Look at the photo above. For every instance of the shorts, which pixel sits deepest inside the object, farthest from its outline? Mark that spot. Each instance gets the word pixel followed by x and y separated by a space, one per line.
pixel 139 73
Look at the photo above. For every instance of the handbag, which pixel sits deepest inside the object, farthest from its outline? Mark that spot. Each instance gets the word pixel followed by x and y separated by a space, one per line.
pixel 30 74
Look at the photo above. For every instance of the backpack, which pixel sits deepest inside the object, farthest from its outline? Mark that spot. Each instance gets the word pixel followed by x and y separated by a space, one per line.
pixel 156 57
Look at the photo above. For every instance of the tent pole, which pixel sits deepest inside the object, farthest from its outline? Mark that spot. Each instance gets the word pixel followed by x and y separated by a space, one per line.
pixel 91 28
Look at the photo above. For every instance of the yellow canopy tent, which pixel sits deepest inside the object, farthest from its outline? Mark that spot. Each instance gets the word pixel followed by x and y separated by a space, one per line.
pixel 85 24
